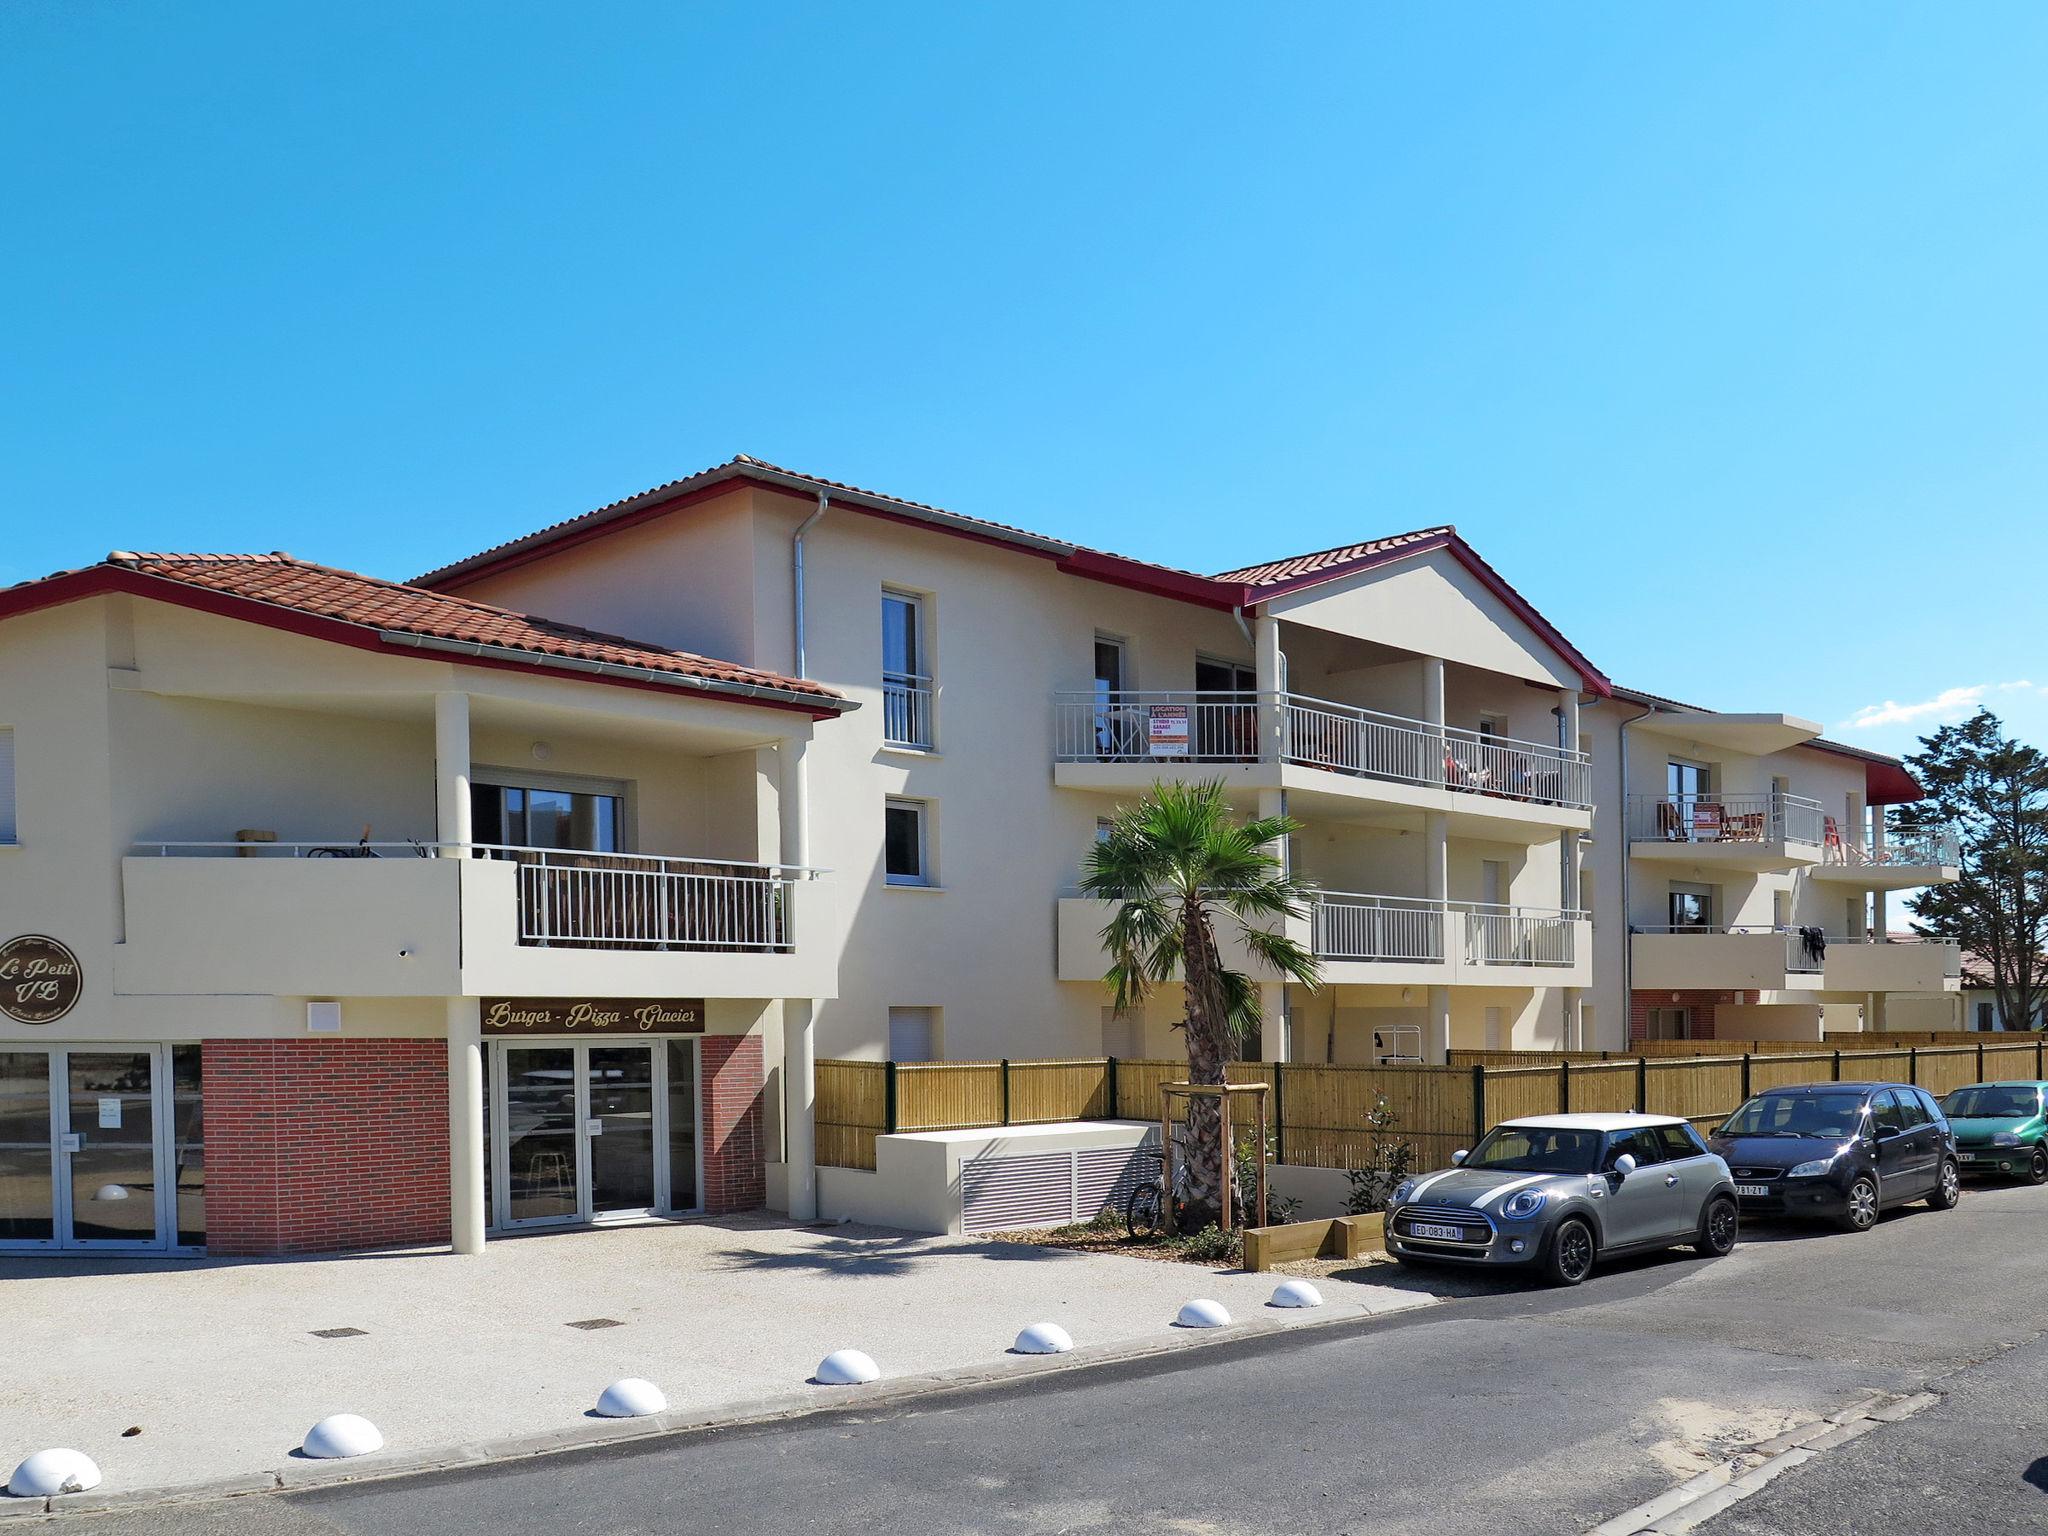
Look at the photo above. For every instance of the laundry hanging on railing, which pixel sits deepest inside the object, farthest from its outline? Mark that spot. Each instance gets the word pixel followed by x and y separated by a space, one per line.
pixel 1813 942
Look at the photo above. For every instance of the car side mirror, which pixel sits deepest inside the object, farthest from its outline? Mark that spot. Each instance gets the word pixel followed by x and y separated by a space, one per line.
pixel 1625 1164
pixel 1459 1156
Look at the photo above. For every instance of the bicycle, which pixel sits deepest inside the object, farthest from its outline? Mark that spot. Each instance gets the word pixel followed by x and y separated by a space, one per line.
pixel 1145 1206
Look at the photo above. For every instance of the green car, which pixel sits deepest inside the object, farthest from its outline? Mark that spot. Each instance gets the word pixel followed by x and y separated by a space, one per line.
pixel 2000 1129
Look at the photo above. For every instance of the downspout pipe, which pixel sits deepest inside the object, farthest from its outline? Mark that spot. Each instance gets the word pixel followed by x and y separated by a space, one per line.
pixel 796 577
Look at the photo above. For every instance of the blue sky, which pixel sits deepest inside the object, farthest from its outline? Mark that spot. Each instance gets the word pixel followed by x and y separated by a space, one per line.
pixel 1719 330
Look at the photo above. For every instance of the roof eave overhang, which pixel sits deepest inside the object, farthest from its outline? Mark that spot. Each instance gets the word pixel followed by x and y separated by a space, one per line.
pixel 102 580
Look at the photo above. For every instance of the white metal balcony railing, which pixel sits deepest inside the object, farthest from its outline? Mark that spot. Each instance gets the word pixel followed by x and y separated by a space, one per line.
pixel 1716 818
pixel 1927 849
pixel 576 899
pixel 1187 726
pixel 1349 926
pixel 1800 957
pixel 906 710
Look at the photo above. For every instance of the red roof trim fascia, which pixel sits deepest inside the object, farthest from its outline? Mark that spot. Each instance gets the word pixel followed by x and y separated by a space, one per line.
pixel 101 580
pixel 1595 680
pixel 1884 783
pixel 1161 581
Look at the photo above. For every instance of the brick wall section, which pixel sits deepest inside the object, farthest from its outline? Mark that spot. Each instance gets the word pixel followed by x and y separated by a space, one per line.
pixel 318 1145
pixel 1702 1005
pixel 735 1178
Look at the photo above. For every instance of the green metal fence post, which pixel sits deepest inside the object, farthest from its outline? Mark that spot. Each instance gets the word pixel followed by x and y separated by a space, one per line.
pixel 1116 1102
pixel 1279 1114
pixel 1745 1077
pixel 1564 1087
pixel 889 1096
pixel 1838 1066
pixel 1478 1101
pixel 1913 1065
pixel 1642 1085
pixel 1006 1090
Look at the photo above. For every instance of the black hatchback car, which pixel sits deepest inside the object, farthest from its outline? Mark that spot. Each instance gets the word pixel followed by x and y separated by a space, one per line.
pixel 1839 1152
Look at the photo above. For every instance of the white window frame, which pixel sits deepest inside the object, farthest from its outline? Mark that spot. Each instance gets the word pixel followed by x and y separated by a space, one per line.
pixel 1657 1014
pixel 922 809
pixel 917 683
pixel 10 819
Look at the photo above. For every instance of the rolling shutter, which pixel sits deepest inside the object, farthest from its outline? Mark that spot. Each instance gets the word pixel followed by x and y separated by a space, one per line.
pixel 1049 1189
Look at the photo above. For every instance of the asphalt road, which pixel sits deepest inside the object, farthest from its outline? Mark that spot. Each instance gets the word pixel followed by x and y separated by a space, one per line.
pixel 1510 1410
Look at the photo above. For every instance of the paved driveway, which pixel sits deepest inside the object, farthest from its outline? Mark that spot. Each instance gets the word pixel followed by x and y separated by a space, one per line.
pixel 222 1367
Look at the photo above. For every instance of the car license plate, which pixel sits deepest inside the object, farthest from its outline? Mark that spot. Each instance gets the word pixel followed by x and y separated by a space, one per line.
pixel 1752 1189
pixel 1429 1229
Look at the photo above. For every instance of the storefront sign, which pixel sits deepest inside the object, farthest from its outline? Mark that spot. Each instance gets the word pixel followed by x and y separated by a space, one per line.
pixel 39 979
pixel 593 1015
pixel 1168 730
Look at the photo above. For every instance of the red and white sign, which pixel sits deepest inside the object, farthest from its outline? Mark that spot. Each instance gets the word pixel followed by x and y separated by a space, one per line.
pixel 1167 730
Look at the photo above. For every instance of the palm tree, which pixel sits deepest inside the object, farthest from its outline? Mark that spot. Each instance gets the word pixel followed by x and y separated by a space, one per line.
pixel 1173 865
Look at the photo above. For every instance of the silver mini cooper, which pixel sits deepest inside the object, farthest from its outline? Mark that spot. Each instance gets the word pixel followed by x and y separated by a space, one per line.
pixel 1561 1191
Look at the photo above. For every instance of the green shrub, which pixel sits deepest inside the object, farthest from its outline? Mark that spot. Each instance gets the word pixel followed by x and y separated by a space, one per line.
pixel 1213 1245
pixel 1388 1161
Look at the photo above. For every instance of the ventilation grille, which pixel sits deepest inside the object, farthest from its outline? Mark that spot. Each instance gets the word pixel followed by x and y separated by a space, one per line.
pixel 1050 1189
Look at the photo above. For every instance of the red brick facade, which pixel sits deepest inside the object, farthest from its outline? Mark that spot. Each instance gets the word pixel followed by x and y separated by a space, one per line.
pixel 315 1145
pixel 735 1177
pixel 1700 1005
pixel 318 1145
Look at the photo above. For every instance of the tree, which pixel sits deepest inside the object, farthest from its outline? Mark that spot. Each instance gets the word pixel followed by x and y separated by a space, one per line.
pixel 1174 865
pixel 1993 791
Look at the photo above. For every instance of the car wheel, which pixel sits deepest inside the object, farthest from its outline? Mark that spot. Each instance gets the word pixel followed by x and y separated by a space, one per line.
pixel 1569 1258
pixel 2037 1167
pixel 1860 1215
pixel 1717 1229
pixel 1948 1189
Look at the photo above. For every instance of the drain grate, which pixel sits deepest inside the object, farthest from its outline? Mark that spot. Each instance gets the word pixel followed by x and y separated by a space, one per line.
pixel 590 1323
pixel 341 1333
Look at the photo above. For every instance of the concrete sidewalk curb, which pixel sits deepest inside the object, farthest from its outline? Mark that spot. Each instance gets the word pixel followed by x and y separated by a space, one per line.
pixel 1699 1499
pixel 298 1475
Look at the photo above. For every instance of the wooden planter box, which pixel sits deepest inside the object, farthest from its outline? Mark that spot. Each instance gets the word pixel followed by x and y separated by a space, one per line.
pixel 1340 1237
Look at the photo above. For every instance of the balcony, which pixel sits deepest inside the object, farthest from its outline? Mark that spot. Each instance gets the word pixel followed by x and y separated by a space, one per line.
pixel 1893 965
pixel 1386 940
pixel 1753 832
pixel 350 919
pixel 907 711
pixel 1494 785
pixel 1759 959
pixel 1896 864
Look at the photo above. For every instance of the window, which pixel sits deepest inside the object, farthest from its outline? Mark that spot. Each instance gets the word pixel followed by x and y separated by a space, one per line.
pixel 1644 1146
pixel 1690 906
pixel 906 673
pixel 1984 1017
pixel 1492 727
pixel 1680 1141
pixel 1886 1114
pixel 905 844
pixel 7 823
pixel 1119 722
pixel 1227 716
pixel 1685 781
pixel 913 1034
pixel 540 814
pixel 1668 1024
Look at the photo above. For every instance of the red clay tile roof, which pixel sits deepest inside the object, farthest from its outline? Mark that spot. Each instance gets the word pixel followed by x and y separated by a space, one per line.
pixel 323 592
pixel 1330 561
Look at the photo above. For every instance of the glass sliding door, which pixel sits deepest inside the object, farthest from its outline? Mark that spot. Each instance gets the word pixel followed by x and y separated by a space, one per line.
pixel 188 1149
pixel 683 1146
pixel 28 1192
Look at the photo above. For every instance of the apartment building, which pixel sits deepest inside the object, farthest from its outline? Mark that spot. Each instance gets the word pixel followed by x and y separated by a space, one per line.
pixel 1398 698
pixel 1738 880
pixel 338 912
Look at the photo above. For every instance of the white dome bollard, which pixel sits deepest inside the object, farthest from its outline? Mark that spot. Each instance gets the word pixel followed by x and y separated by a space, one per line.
pixel 846 1368
pixel 1044 1339
pixel 1202 1313
pixel 49 1473
pixel 111 1192
pixel 632 1398
pixel 1295 1293
pixel 342 1434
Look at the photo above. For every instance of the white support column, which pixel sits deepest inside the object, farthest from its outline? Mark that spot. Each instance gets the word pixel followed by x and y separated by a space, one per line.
pixel 1269 674
pixel 1433 715
pixel 1436 867
pixel 799 1107
pixel 792 803
pixel 1574 1019
pixel 467 1217
pixel 1272 1021
pixel 1436 1043
pixel 451 773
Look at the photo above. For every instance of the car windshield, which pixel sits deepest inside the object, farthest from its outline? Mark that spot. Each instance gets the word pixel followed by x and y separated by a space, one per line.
pixel 1828 1115
pixel 1992 1101
pixel 1536 1149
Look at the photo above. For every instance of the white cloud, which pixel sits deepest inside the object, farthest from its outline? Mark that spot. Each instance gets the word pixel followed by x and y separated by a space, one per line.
pixel 1949 704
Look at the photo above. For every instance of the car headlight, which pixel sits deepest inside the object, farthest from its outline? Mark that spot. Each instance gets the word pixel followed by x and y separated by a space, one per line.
pixel 1523 1203
pixel 2004 1139
pixel 1403 1192
pixel 1814 1169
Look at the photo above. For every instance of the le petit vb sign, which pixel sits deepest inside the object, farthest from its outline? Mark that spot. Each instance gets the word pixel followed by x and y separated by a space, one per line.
pixel 39 979
pixel 593 1015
